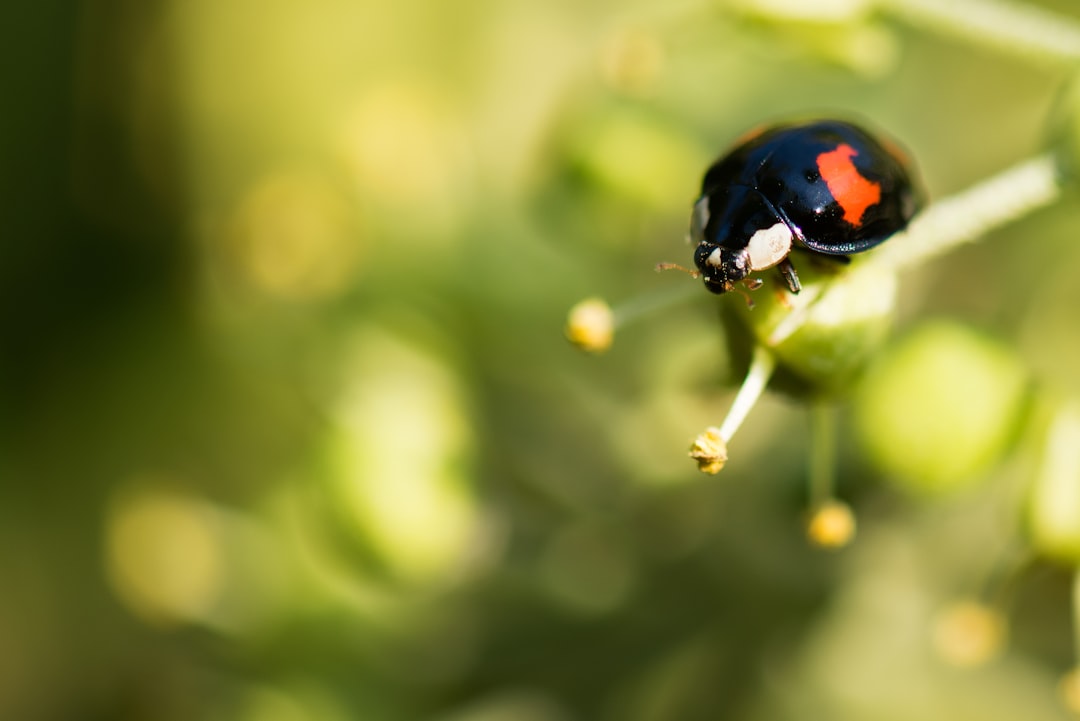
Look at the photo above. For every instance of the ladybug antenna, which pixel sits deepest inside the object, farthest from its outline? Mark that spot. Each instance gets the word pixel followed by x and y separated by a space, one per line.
pixel 676 266
pixel 744 289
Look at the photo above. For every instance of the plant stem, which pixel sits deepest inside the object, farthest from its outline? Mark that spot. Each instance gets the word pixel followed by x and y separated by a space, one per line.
pixel 631 311
pixel 1076 614
pixel 757 377
pixel 1013 26
pixel 822 453
pixel 963 217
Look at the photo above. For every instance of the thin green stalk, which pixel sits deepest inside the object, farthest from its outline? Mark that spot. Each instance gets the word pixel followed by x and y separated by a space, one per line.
pixel 822 453
pixel 1076 614
pixel 761 369
pixel 631 311
pixel 1014 26
pixel 952 221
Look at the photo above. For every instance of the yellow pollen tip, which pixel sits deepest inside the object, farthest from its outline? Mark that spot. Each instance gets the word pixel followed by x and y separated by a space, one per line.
pixel 831 526
pixel 710 451
pixel 590 325
pixel 968 633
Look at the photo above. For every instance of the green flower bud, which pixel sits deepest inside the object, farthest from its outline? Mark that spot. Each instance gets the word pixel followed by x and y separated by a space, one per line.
pixel 939 408
pixel 637 155
pixel 823 337
pixel 1053 511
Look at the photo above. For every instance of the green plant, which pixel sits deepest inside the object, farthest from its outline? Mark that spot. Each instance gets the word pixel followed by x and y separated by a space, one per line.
pixel 946 405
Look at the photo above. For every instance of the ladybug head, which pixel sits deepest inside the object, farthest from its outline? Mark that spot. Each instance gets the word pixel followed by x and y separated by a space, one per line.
pixel 721 268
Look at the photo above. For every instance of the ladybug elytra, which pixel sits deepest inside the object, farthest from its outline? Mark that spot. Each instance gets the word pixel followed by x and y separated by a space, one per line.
pixel 825 187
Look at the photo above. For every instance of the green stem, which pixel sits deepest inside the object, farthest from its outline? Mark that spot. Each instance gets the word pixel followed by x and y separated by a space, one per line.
pixel 963 217
pixel 1076 614
pixel 1014 26
pixel 822 453
pixel 631 311
pixel 761 369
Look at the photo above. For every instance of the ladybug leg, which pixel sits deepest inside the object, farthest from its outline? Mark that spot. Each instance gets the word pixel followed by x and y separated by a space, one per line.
pixel 787 270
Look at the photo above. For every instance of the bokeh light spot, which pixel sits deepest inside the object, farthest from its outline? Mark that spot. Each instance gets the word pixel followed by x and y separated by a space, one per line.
pixel 587 569
pixel 401 449
pixel 291 237
pixel 512 705
pixel 164 556
pixel 968 633
pixel 406 149
pixel 941 406
pixel 631 59
pixel 641 158
pixel 818 11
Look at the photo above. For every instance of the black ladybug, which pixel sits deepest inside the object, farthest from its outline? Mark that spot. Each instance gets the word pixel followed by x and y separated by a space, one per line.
pixel 824 187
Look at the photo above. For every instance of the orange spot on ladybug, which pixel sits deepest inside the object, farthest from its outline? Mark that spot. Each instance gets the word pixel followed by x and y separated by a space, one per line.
pixel 852 191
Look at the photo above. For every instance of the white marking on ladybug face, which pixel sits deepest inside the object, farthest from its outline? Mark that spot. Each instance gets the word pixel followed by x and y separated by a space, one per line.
pixel 714 260
pixel 768 246
pixel 699 219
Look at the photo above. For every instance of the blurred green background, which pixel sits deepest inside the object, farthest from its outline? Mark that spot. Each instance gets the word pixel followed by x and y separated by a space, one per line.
pixel 290 430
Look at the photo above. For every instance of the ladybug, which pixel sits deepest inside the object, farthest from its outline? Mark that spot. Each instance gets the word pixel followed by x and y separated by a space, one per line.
pixel 825 188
